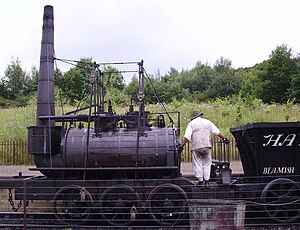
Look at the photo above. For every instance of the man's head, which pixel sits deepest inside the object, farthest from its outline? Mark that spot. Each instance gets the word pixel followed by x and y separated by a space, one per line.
pixel 196 113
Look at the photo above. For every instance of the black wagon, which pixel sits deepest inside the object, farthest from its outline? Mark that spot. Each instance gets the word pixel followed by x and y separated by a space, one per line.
pixel 270 155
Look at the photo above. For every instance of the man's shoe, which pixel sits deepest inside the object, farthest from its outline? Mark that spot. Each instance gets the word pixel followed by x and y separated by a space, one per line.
pixel 206 184
pixel 200 183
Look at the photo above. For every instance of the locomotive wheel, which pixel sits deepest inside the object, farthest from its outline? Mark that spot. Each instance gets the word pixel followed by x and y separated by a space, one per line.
pixel 72 204
pixel 118 205
pixel 167 204
pixel 281 197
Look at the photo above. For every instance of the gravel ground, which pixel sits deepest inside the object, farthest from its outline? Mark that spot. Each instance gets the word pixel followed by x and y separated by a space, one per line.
pixel 14 170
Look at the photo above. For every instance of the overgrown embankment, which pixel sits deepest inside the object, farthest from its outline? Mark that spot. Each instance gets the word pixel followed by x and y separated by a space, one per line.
pixel 224 113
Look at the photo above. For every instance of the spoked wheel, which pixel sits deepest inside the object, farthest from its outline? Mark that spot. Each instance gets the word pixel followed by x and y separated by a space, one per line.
pixel 281 197
pixel 167 204
pixel 72 204
pixel 119 204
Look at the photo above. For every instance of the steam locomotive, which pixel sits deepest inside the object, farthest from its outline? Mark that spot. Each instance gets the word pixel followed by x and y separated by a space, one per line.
pixel 122 166
pixel 109 142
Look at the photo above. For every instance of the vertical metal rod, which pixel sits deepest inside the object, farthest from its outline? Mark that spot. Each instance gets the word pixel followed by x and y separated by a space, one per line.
pixel 24 204
pixel 88 132
pixel 141 117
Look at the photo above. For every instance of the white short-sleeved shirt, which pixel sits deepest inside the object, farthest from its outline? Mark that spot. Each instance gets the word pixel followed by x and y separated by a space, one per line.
pixel 199 131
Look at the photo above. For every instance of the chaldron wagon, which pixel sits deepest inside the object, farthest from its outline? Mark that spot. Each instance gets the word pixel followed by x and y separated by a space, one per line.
pixel 270 155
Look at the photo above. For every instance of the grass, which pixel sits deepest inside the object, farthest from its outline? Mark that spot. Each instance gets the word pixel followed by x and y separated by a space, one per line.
pixel 13 122
pixel 223 113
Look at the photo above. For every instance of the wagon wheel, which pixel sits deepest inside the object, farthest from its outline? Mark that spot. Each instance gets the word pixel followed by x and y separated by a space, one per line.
pixel 118 205
pixel 72 204
pixel 281 197
pixel 167 204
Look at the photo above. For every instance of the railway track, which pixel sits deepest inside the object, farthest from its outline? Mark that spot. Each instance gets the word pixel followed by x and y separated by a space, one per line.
pixel 17 220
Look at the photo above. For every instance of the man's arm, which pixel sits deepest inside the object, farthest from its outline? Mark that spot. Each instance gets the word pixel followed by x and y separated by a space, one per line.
pixel 184 141
pixel 221 135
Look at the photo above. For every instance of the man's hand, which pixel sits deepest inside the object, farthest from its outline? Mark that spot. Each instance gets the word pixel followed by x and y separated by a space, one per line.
pixel 226 141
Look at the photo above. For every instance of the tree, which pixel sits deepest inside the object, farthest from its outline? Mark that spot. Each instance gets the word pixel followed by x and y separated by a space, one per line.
pixel 132 88
pixel 224 85
pixel 171 76
pixel 75 84
pixel 294 92
pixel 32 84
pixel 197 82
pixel 168 86
pixel 165 91
pixel 16 80
pixel 112 78
pixel 153 87
pixel 223 65
pixel 114 83
pixel 277 76
pixel 251 86
pixel 224 82
pixel 3 89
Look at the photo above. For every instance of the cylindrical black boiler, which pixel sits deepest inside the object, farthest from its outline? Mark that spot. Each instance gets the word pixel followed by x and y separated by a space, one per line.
pixel 56 151
pixel 119 148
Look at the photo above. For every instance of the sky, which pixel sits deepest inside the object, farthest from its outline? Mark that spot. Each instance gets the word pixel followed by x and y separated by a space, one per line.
pixel 164 33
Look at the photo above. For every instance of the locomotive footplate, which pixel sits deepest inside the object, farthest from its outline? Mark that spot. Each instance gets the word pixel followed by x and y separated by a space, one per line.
pixel 15 181
pixel 113 172
pixel 105 168
pixel 215 191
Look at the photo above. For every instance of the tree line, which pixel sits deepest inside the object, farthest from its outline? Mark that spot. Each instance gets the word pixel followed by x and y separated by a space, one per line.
pixel 275 80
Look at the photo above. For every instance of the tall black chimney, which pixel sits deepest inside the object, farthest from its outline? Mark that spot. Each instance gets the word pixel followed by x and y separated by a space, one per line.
pixel 45 101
